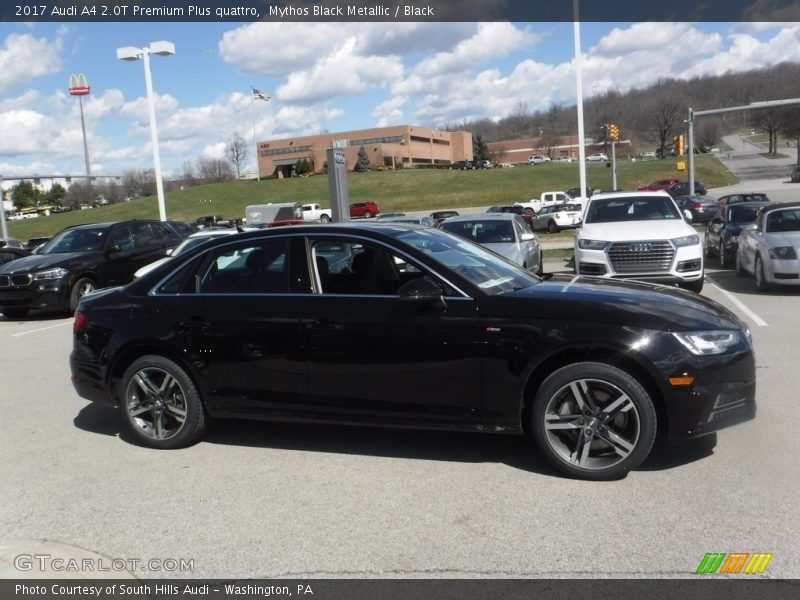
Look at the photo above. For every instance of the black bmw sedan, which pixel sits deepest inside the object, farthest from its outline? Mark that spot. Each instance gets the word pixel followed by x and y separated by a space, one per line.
pixel 406 326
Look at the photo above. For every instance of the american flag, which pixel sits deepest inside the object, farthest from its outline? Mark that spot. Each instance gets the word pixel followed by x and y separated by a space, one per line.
pixel 259 95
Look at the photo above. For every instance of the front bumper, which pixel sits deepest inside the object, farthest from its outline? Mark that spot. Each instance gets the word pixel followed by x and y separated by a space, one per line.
pixel 686 266
pixel 46 294
pixel 785 272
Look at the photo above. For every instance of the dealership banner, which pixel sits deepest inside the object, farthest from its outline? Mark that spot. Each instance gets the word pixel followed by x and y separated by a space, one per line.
pixel 399 589
pixel 400 10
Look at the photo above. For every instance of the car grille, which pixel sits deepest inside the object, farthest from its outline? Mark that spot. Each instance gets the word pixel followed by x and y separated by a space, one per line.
pixel 645 256
pixel 15 280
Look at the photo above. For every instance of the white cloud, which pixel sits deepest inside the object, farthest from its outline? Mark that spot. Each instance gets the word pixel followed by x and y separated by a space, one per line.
pixel 215 151
pixel 390 112
pixel 16 65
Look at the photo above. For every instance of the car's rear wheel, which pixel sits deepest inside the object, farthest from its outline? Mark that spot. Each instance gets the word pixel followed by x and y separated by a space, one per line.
pixel 14 313
pixel 367 214
pixel 762 285
pixel 552 227
pixel 324 219
pixel 161 403
pixel 83 286
pixel 593 421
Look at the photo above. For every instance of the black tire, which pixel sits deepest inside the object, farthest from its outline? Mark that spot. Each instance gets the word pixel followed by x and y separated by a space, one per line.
pixel 740 270
pixel 324 219
pixel 161 403
pixel 761 281
pixel 540 268
pixel 706 247
pixel 598 403
pixel 694 286
pixel 367 215
pixel 14 313
pixel 80 288
pixel 552 227
pixel 723 259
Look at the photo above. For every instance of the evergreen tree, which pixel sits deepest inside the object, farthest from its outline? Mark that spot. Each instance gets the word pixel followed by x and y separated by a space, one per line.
pixel 362 161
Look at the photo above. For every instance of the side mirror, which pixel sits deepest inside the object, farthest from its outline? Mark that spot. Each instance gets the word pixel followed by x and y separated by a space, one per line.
pixel 169 251
pixel 687 216
pixel 114 248
pixel 422 290
pixel 527 237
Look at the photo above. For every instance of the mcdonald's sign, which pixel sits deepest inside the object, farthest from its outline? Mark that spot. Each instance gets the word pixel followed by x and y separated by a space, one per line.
pixel 78 85
pixel 734 563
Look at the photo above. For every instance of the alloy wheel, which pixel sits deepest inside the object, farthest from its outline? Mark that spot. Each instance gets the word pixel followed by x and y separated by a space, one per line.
pixel 156 403
pixel 591 424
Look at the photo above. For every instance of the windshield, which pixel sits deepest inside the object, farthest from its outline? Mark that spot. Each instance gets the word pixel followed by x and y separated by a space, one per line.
pixel 483 232
pixel 76 240
pixel 631 208
pixel 783 220
pixel 486 270
pixel 743 214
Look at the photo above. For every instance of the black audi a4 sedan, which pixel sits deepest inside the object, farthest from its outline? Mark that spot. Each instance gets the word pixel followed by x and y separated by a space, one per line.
pixel 400 325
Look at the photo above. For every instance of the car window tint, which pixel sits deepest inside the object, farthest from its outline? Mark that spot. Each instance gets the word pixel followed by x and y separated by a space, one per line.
pixel 255 268
pixel 142 236
pixel 163 234
pixel 353 267
pixel 77 240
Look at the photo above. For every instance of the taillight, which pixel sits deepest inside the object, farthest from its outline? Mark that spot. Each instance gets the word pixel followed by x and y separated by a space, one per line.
pixel 697 206
pixel 79 322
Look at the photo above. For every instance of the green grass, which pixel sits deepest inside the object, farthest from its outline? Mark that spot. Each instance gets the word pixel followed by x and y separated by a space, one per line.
pixel 404 190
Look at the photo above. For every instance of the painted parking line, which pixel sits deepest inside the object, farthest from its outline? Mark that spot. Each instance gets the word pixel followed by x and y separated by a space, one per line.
pixel 41 329
pixel 739 304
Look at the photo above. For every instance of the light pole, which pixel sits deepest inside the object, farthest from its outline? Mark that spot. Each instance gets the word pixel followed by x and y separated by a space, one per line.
pixel 130 53
pixel 576 32
pixel 78 86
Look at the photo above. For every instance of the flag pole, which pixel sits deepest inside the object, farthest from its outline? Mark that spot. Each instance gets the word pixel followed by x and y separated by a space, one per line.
pixel 253 118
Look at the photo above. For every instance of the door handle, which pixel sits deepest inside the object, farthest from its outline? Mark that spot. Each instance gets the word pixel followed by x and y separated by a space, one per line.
pixel 324 325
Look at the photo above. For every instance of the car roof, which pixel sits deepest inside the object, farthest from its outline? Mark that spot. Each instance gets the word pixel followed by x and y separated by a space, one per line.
pixel 212 233
pixel 607 195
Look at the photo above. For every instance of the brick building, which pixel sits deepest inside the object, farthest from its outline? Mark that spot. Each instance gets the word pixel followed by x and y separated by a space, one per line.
pixel 389 146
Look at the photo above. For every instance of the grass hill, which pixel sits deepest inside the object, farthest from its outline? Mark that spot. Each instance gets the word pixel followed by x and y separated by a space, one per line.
pixel 403 190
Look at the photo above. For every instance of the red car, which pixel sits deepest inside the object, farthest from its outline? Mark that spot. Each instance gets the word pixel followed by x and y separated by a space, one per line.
pixel 661 184
pixel 364 209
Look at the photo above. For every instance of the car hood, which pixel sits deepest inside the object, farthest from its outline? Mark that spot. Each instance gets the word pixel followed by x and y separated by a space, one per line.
pixel 661 229
pixel 775 240
pixel 39 262
pixel 631 303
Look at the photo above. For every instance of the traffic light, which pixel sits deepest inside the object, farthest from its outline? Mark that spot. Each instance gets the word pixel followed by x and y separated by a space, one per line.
pixel 680 145
pixel 613 133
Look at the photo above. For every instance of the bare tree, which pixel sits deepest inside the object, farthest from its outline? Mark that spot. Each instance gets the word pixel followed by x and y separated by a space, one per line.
pixel 770 121
pixel 81 194
pixel 708 132
pixel 237 153
pixel 665 117
pixel 214 169
pixel 138 184
pixel 111 191
pixel 189 173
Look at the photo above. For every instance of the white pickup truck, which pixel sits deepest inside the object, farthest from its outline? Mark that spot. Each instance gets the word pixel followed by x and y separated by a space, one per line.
pixel 313 212
pixel 546 199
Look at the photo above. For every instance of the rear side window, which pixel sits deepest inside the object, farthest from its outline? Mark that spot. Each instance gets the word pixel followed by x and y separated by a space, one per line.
pixel 255 268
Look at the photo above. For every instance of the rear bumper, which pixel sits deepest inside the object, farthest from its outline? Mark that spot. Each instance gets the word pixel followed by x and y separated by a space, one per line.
pixel 88 379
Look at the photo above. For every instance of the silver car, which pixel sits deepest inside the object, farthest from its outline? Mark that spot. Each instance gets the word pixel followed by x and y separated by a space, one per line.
pixel 769 249
pixel 506 234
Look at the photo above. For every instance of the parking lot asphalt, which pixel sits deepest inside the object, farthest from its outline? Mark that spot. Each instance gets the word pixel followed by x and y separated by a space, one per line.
pixel 278 500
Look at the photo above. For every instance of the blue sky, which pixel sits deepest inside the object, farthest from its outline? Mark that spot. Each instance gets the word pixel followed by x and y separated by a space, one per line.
pixel 323 76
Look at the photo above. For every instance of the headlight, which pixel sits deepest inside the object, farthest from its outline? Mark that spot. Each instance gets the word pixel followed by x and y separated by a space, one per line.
pixel 782 252
pixel 704 343
pixel 687 240
pixel 56 273
pixel 592 244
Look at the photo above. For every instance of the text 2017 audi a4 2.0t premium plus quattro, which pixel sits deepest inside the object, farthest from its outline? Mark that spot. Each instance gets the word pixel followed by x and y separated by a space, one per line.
pixel 411 326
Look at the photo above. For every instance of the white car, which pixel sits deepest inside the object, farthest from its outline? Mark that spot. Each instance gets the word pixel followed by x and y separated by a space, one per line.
pixel 597 157
pixel 192 241
pixel 538 159
pixel 503 233
pixel 639 235
pixel 556 218
pixel 770 249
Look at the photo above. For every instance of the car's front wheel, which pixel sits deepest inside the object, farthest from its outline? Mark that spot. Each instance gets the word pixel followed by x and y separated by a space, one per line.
pixel 694 286
pixel 552 227
pixel 161 403
pixel 723 259
pixel 367 215
pixel 83 286
pixel 740 270
pixel 593 421
pixel 762 285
